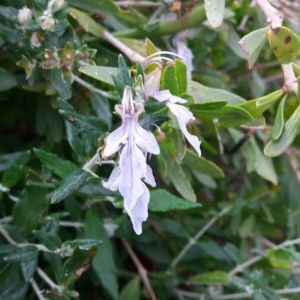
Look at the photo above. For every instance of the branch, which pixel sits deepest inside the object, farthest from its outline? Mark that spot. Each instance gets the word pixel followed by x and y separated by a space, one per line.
pixel 132 55
pixel 37 290
pixel 48 280
pixel 197 236
pixel 253 260
pixel 142 271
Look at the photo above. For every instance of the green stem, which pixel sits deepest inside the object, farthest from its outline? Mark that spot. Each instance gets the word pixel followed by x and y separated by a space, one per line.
pixel 193 19
pixel 197 236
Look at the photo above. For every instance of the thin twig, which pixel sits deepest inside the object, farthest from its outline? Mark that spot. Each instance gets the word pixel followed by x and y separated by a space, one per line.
pixel 92 88
pixel 293 164
pixel 236 295
pixel 48 280
pixel 7 237
pixel 132 55
pixel 253 260
pixel 37 290
pixel 137 4
pixel 142 271
pixel 197 236
pixel 70 224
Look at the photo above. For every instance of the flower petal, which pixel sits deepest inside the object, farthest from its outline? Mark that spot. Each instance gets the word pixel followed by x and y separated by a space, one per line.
pixel 139 213
pixel 152 82
pixel 146 140
pixel 149 178
pixel 183 116
pixel 133 167
pixel 114 180
pixel 165 95
pixel 114 140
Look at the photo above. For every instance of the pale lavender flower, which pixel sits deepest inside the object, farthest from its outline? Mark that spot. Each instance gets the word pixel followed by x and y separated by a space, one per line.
pixel 132 169
pixel 151 89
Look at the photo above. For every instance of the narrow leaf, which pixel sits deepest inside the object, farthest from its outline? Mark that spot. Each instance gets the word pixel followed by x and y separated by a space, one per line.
pixel 55 164
pixel 290 131
pixel 69 185
pixel 279 121
pixel 212 278
pixel 103 263
pixel 161 200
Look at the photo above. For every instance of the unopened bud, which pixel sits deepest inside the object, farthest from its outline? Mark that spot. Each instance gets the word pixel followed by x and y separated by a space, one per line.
pixel 24 15
pixel 34 40
pixel 47 23
pixel 57 5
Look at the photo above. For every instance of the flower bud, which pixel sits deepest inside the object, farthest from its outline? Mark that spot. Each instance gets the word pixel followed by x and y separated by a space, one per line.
pixel 34 40
pixel 24 15
pixel 57 5
pixel 47 23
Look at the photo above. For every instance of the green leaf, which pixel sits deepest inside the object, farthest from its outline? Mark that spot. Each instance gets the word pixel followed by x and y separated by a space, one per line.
pixel 264 165
pixel 123 77
pixel 69 185
pixel 48 239
pixel 28 268
pixel 229 115
pixel 78 264
pixel 279 121
pixel 102 108
pixel 161 201
pixel 30 208
pixel 7 160
pixel 202 165
pixel 247 150
pixel 214 10
pixel 150 47
pixel 24 254
pixel 131 290
pixel 232 42
pixel 178 177
pixel 169 80
pixel 180 143
pixel 93 126
pixel 15 172
pixel 103 263
pixel 7 81
pixel 55 164
pixel 61 86
pixel 86 22
pixel 148 121
pixel 204 94
pixel 100 73
pixel 284 43
pixel 82 244
pixel 215 104
pixel 257 106
pixel 206 180
pixel 290 131
pixel 282 258
pixel 13 286
pixel 252 44
pixel 95 6
pixel 9 13
pixel 212 278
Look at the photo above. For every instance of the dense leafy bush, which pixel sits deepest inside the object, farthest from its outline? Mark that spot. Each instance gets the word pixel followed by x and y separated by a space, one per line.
pixel 103 107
